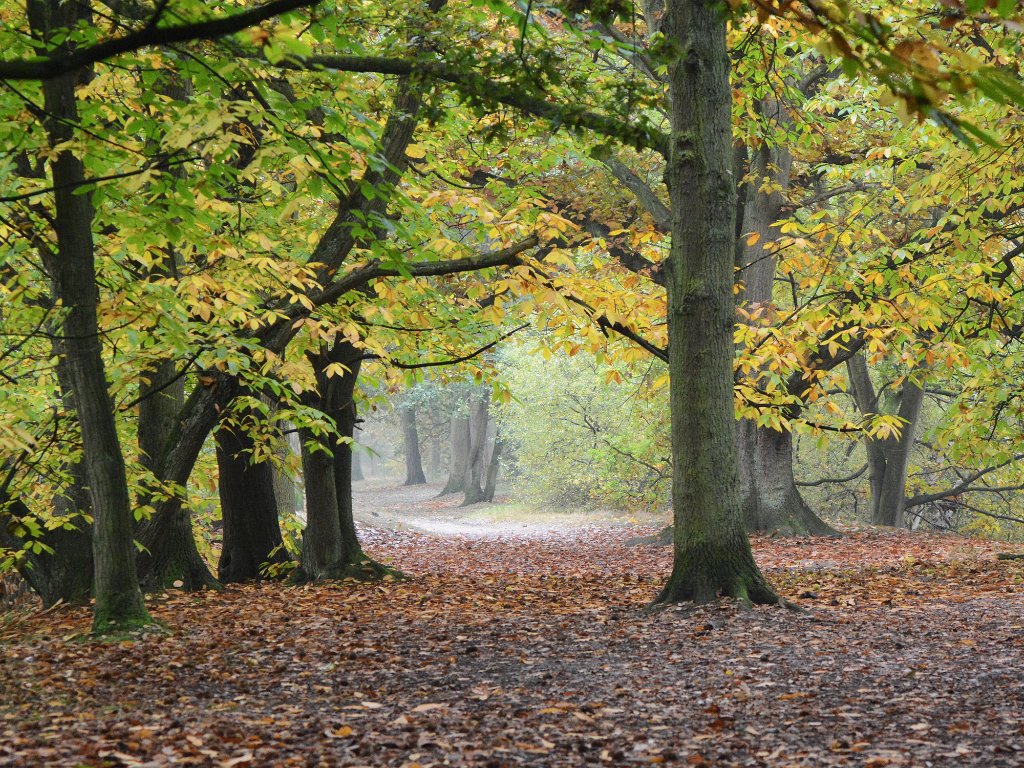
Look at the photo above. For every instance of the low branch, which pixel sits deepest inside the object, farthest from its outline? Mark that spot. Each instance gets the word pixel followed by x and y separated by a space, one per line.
pixel 832 480
pixel 373 270
pixel 451 361
pixel 964 486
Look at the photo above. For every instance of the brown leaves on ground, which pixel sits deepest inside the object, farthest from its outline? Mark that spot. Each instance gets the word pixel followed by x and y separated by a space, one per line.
pixel 505 652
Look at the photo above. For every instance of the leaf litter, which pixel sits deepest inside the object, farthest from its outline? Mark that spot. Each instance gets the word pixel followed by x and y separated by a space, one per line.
pixel 511 652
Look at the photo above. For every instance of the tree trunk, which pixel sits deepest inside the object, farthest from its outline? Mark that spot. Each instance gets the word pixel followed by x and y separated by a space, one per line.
pixel 888 459
pixel 413 460
pixel 711 551
pixel 771 501
pixel 479 418
pixel 252 534
pixel 459 454
pixel 285 485
pixel 330 543
pixel 170 554
pixel 492 470
pixel 770 498
pixel 119 604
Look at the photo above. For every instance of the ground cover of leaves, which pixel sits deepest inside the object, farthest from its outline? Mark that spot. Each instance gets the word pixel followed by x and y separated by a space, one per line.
pixel 510 652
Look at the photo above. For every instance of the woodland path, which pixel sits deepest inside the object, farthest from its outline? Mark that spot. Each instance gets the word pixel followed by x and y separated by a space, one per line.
pixel 507 651
pixel 385 503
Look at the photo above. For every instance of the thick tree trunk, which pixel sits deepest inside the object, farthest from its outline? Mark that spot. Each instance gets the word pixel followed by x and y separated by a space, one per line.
pixel 323 553
pixel 170 553
pixel 712 555
pixel 119 602
pixel 770 498
pixel 410 436
pixel 479 419
pixel 459 454
pixel 252 534
pixel 158 410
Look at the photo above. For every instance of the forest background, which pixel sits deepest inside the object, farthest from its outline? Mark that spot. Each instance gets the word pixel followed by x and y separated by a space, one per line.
pixel 248 223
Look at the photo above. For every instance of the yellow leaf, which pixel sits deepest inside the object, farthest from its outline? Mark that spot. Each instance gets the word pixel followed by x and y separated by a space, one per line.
pixel 753 237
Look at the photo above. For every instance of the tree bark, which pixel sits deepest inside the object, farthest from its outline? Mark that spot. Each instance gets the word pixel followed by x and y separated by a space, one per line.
pixel 330 543
pixel 889 458
pixel 770 498
pixel 493 466
pixel 410 436
pixel 711 552
pixel 249 509
pixel 771 501
pixel 479 418
pixel 170 554
pixel 459 454
pixel 119 604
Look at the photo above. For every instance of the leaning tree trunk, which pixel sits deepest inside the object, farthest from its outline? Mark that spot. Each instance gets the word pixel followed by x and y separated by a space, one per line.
pixel 479 418
pixel 169 553
pixel 459 455
pixel 119 602
pixel 411 438
pixel 330 543
pixel 711 551
pixel 248 504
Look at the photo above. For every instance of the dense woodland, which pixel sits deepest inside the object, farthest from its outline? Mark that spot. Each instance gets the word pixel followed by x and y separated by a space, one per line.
pixel 751 266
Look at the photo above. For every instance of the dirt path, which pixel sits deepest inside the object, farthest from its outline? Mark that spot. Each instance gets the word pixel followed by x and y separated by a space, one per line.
pixel 391 506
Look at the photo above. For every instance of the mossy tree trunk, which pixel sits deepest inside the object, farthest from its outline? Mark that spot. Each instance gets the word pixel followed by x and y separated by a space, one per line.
pixel 712 555
pixel 119 604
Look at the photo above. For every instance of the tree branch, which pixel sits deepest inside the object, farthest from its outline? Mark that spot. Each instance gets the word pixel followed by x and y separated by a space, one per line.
pixel 49 67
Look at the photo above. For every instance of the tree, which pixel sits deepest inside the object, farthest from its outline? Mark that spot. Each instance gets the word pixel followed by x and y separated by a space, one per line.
pixel 711 553
pixel 248 503
pixel 411 440
pixel 119 603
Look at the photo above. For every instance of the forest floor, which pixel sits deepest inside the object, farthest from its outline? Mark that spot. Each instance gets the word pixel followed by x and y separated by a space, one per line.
pixel 512 646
